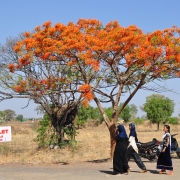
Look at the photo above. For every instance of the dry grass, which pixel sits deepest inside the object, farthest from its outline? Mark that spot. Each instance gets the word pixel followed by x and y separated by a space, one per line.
pixel 93 144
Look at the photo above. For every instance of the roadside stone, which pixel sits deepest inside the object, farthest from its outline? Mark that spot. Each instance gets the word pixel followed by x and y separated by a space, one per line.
pixel 51 146
pixel 56 147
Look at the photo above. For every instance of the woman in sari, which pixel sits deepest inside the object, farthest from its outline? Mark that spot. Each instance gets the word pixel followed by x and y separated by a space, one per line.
pixel 120 164
pixel 164 160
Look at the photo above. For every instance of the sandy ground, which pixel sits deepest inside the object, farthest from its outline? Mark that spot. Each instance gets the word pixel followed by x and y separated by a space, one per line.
pixel 93 143
pixel 94 170
pixel 21 160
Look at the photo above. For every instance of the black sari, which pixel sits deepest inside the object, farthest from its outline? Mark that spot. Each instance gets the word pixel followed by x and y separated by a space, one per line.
pixel 120 163
pixel 164 161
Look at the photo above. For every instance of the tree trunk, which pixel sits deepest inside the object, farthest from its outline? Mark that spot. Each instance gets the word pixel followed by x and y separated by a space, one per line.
pixel 63 118
pixel 61 135
pixel 158 126
pixel 112 131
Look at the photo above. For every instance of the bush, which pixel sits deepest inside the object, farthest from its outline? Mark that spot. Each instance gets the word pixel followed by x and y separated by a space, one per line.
pixel 173 120
pixel 93 123
pixel 138 121
pixel 19 117
pixel 46 134
pixel 80 123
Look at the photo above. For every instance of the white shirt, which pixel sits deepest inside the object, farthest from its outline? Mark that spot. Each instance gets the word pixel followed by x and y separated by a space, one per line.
pixel 132 142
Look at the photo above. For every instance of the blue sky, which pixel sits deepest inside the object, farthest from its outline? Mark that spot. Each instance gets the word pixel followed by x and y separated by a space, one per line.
pixel 17 16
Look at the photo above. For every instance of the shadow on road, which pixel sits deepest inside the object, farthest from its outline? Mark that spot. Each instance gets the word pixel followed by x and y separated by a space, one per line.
pixel 153 171
pixel 112 173
pixel 134 171
pixel 99 160
pixel 107 172
pixel 64 163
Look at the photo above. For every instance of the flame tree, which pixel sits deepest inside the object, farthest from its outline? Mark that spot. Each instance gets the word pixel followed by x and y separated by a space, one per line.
pixel 99 62
pixel 53 86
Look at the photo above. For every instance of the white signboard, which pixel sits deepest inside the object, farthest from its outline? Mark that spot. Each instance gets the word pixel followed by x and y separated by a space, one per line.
pixel 5 133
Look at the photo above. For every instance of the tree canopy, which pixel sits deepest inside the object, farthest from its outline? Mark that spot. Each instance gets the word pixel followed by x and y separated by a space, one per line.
pixel 158 108
pixel 127 113
pixel 19 117
pixel 9 114
pixel 85 61
pixel 53 57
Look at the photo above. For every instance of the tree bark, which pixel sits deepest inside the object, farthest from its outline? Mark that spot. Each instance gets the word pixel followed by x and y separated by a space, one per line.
pixel 64 117
pixel 112 131
pixel 158 126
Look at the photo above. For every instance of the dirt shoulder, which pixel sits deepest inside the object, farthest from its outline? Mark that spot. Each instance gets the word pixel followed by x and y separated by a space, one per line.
pixel 92 143
pixel 95 170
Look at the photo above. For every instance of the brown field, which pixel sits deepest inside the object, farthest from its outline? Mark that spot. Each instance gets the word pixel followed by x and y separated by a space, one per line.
pixel 93 143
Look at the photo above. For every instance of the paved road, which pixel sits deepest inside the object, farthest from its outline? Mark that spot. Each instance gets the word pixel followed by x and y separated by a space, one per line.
pixel 96 170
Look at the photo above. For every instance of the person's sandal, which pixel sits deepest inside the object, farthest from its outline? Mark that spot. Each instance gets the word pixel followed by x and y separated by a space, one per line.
pixel 162 172
pixel 144 171
pixel 170 173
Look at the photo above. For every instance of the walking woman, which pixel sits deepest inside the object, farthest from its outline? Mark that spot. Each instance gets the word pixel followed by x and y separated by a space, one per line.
pixel 164 161
pixel 120 164
pixel 133 150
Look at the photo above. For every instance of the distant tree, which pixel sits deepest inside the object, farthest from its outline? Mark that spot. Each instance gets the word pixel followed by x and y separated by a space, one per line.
pixel 87 113
pixel 95 113
pixel 133 111
pixel 1 116
pixel 138 121
pixel 9 114
pixel 82 116
pixel 125 114
pixel 144 117
pixel 128 112
pixel 19 117
pixel 108 111
pixel 158 108
pixel 173 120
